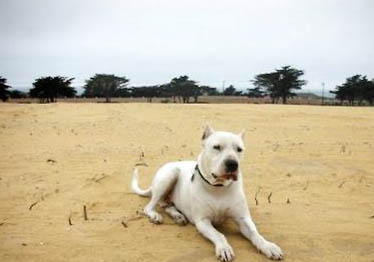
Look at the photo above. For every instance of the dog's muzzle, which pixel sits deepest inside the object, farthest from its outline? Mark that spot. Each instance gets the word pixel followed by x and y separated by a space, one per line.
pixel 231 170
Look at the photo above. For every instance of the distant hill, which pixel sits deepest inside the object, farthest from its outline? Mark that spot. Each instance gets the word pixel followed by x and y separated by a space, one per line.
pixel 308 96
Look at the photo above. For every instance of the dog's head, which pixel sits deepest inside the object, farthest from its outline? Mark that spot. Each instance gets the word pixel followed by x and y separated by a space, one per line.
pixel 222 152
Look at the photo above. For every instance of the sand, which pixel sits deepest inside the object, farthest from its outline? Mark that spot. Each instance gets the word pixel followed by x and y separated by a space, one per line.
pixel 316 162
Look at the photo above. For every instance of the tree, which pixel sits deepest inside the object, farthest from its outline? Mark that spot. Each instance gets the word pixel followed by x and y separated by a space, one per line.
pixel 146 91
pixel 280 83
pixel 183 88
pixel 230 91
pixel 17 94
pixel 255 92
pixel 369 92
pixel 49 88
pixel 355 88
pixel 341 93
pixel 104 85
pixel 209 91
pixel 4 93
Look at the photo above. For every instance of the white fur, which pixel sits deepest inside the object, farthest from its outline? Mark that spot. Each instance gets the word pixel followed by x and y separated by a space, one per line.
pixel 135 187
pixel 202 204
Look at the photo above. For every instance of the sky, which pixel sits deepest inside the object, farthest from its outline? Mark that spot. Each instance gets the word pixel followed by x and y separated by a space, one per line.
pixel 214 42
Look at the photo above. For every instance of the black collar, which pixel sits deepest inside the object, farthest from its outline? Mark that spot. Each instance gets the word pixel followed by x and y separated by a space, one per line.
pixel 198 171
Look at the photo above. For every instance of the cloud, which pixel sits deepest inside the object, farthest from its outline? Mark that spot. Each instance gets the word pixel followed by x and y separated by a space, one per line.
pixel 153 41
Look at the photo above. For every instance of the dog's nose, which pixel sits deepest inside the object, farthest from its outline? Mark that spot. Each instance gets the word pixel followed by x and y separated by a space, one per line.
pixel 231 165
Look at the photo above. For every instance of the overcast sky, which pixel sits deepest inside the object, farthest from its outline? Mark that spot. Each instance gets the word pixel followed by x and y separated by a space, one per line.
pixel 151 42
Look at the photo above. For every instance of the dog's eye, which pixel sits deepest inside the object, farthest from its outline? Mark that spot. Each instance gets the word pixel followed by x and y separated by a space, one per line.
pixel 217 147
pixel 239 149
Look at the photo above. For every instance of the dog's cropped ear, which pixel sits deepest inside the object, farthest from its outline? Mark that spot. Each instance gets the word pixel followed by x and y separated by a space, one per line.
pixel 242 134
pixel 207 132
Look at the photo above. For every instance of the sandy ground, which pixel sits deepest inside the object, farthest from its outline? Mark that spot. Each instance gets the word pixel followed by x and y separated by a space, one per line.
pixel 317 163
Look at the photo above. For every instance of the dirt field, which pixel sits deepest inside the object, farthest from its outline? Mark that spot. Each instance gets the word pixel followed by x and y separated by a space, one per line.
pixel 317 163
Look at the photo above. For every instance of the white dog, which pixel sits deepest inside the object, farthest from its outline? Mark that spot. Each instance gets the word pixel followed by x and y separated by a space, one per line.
pixel 206 193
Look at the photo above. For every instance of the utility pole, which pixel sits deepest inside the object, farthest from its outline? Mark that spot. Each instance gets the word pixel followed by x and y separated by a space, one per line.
pixel 223 86
pixel 323 93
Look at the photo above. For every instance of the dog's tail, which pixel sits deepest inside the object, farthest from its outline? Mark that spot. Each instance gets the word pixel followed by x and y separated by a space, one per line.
pixel 135 186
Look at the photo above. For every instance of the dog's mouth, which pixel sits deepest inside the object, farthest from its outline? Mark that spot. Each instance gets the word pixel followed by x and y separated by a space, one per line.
pixel 227 176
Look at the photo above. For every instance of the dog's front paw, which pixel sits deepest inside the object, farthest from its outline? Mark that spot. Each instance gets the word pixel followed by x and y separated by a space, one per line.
pixel 155 218
pixel 180 219
pixel 271 250
pixel 225 253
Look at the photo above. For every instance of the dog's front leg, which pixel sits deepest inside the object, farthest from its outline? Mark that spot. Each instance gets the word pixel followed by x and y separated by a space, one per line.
pixel 249 230
pixel 224 251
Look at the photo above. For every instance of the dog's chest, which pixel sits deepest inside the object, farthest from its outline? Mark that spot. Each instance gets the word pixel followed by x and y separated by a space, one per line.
pixel 218 210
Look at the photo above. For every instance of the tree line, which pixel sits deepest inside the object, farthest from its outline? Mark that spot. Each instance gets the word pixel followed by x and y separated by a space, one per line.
pixel 279 85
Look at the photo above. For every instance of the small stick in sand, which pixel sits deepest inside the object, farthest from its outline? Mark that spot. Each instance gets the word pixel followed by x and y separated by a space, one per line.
pixel 141 156
pixel 124 224
pixel 341 184
pixel 70 223
pixel 269 196
pixel 103 175
pixel 85 213
pixel 288 201
pixel 141 164
pixel 306 186
pixel 32 205
pixel 258 191
pixel 137 217
pixel 342 149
